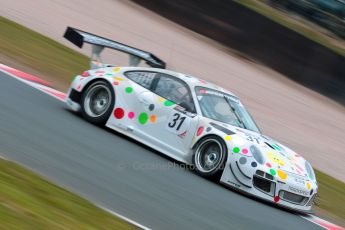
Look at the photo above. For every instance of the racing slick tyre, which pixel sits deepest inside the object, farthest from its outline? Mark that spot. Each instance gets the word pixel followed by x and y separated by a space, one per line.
pixel 209 157
pixel 97 102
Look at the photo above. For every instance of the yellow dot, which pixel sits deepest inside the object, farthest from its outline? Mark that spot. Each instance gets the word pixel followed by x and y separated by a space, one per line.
pixel 160 99
pixel 116 69
pixel 282 174
pixel 118 78
pixel 228 138
pixel 308 185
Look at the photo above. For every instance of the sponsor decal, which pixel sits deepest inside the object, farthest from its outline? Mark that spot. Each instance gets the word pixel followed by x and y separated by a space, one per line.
pixel 299 181
pixel 205 91
pixel 299 191
pixel 183 135
pixel 184 111
pixel 234 184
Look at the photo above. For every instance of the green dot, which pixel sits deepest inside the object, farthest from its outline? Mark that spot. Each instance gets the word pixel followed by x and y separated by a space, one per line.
pixel 143 117
pixel 129 89
pixel 168 103
pixel 236 150
pixel 273 172
pixel 109 74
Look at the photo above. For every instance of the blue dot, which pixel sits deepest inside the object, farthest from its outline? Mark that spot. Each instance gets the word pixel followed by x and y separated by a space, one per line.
pixel 254 164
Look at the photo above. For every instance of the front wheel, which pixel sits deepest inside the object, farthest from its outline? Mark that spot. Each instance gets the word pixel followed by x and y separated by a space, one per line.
pixel 97 102
pixel 209 157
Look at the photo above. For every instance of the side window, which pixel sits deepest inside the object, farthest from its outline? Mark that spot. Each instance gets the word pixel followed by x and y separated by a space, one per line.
pixel 176 91
pixel 144 79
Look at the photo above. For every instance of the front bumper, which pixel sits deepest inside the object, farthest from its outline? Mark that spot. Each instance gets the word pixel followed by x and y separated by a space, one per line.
pixel 289 193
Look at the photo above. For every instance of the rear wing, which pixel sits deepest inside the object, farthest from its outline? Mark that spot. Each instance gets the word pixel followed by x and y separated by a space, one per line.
pixel 98 43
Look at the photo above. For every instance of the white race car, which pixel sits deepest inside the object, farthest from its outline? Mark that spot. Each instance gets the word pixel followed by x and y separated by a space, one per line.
pixel 190 120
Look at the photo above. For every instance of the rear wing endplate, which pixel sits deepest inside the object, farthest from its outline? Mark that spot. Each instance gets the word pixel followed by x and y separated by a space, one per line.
pixel 79 37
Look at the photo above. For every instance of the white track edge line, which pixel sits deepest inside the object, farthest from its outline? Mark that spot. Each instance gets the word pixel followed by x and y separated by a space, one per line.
pixel 123 217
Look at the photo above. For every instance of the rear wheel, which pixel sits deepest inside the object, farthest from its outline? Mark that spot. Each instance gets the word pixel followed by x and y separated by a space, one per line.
pixel 209 157
pixel 97 102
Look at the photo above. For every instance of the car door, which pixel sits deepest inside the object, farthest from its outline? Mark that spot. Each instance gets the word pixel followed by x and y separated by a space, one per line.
pixel 167 118
pixel 177 116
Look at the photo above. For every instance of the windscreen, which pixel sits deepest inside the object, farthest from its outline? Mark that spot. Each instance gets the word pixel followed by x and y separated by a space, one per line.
pixel 225 108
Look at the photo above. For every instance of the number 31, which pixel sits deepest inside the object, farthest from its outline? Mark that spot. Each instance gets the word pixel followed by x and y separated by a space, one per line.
pixel 177 120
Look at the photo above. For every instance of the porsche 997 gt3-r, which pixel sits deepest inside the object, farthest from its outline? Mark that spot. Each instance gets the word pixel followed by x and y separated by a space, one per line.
pixel 190 120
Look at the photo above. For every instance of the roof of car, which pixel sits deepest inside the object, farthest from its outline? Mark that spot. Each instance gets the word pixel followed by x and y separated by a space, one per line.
pixel 192 81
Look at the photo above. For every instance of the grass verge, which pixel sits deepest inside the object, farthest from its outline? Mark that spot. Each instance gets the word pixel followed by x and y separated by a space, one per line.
pixel 30 202
pixel 43 54
pixel 331 201
pixel 40 53
pixel 286 21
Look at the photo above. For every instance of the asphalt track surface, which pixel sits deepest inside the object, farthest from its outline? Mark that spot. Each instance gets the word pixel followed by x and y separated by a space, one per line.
pixel 111 170
pixel 303 120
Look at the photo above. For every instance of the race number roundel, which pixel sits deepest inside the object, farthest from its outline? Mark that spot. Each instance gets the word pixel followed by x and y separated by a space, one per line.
pixel 178 123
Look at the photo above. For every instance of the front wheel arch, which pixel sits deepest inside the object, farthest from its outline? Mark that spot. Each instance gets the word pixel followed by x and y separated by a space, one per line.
pixel 214 174
pixel 208 135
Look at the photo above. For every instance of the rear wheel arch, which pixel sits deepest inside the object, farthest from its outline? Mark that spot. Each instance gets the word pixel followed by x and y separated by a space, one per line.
pixel 91 94
pixel 79 94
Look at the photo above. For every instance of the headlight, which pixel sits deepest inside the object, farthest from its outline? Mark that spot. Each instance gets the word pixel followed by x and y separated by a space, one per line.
pixel 257 154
